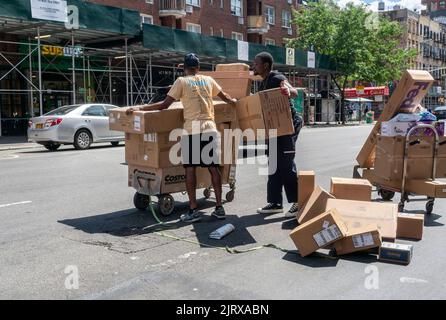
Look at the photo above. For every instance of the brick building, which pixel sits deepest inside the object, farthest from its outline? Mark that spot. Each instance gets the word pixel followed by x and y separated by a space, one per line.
pixel 257 21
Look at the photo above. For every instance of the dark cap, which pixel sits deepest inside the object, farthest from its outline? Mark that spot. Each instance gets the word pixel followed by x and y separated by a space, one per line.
pixel 191 60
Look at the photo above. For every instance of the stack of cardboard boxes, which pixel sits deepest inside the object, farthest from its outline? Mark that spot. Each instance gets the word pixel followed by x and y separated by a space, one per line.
pixel 152 143
pixel 346 220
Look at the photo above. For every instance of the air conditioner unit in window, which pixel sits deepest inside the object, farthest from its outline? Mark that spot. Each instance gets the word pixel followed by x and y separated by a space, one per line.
pixel 189 9
pixel 290 31
pixel 241 20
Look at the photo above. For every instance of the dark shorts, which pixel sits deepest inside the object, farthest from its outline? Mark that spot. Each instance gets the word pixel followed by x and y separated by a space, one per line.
pixel 200 150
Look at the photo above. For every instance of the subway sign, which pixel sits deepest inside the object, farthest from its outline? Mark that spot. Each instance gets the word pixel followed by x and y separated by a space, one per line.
pixel 48 50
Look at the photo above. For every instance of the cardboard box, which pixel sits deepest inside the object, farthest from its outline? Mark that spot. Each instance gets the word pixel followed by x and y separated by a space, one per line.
pixel 396 253
pixel 266 110
pixel 318 232
pixel 429 188
pixel 235 83
pixel 390 154
pixel 409 92
pixel 370 175
pixel 410 226
pixel 441 159
pixel 224 112
pixel 316 205
pixel 351 189
pixel 392 129
pixel 232 67
pixel 358 240
pixel 306 185
pixel 360 214
pixel 165 180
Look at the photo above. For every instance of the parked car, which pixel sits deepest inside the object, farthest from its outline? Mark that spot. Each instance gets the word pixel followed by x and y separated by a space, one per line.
pixel 440 112
pixel 79 125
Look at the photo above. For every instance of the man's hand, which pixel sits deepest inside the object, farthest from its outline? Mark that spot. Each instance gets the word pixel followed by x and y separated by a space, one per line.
pixel 284 89
pixel 232 101
pixel 129 111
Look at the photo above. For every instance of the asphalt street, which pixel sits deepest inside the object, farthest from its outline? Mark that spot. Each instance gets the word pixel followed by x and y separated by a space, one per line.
pixel 70 212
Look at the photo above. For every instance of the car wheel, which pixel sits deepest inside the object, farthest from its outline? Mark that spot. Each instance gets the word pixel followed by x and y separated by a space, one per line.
pixel 52 146
pixel 82 140
pixel 115 143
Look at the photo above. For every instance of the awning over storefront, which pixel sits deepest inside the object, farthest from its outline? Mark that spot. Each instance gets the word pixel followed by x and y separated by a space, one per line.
pixel 368 92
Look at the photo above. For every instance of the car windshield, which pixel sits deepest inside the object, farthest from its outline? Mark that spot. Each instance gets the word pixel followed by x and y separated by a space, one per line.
pixel 62 110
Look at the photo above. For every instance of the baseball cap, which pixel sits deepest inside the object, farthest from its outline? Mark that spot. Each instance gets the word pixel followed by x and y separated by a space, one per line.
pixel 191 60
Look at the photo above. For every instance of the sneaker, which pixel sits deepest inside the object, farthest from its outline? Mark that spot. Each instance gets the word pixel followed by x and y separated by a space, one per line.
pixel 271 208
pixel 219 213
pixel 192 216
pixel 292 212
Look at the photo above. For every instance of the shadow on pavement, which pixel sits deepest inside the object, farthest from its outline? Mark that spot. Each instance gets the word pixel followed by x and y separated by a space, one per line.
pixel 72 149
pixel 429 219
pixel 315 260
pixel 289 224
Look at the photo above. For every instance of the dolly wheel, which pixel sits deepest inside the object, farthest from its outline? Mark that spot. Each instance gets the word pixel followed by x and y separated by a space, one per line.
pixel 230 196
pixel 141 201
pixel 207 193
pixel 429 206
pixel 401 207
pixel 166 204
pixel 386 195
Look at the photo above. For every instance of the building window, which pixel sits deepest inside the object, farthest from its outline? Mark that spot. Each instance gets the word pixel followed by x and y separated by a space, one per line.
pixel 237 36
pixel 222 34
pixel 192 27
pixel 222 4
pixel 149 1
pixel 270 15
pixel 236 8
pixel 145 18
pixel 270 42
pixel 211 31
pixel 195 3
pixel 442 3
pixel 211 2
pixel 286 19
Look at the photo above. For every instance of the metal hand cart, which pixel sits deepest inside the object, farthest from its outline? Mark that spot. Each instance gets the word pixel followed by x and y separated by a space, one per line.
pixel 143 182
pixel 388 192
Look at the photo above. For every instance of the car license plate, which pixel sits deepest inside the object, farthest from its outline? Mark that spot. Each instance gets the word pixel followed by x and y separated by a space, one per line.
pixel 39 126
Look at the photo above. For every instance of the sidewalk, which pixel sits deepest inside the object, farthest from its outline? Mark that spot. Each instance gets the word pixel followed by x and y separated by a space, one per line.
pixel 16 143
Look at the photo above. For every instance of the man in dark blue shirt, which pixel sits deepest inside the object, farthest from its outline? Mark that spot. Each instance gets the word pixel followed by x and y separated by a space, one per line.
pixel 285 175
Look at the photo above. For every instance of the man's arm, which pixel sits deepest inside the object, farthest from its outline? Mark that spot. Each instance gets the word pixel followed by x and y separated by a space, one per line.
pixel 226 97
pixel 287 89
pixel 156 106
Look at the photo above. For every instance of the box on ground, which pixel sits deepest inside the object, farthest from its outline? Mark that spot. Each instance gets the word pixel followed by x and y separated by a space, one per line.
pixel 315 205
pixel 359 214
pixel 430 188
pixel 409 92
pixel 395 252
pixel 410 226
pixel 318 232
pixel 265 110
pixel 351 189
pixel 358 240
pixel 306 185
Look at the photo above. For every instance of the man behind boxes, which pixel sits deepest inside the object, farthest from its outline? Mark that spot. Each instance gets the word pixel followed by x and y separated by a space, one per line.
pixel 285 175
pixel 199 143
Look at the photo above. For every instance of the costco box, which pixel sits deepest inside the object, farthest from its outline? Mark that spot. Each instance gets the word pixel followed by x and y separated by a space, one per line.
pixel 235 83
pixel 390 154
pixel 351 189
pixel 358 240
pixel 265 110
pixel 165 180
pixel 392 129
pixel 360 214
pixel 306 185
pixel 316 205
pixel 318 232
pixel 430 188
pixel 396 253
pixel 411 89
pixel 410 226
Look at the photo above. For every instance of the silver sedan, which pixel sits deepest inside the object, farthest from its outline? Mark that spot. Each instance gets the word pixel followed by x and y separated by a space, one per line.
pixel 79 125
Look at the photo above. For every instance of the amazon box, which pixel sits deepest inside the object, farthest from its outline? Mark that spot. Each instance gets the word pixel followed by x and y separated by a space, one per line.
pixel 318 232
pixel 316 205
pixel 351 189
pixel 358 240
pixel 395 253
pixel 306 185
pixel 410 226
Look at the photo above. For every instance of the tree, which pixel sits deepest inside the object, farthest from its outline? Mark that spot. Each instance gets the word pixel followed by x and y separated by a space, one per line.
pixel 363 45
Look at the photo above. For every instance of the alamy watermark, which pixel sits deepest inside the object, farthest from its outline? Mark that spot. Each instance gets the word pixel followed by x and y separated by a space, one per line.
pixel 72 278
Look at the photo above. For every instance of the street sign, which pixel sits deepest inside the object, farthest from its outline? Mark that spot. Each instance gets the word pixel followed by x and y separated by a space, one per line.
pixel 311 59
pixel 54 10
pixel 359 90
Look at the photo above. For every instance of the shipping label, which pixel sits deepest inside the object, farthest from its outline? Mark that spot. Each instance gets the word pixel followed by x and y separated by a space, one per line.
pixel 363 240
pixel 137 123
pixel 327 235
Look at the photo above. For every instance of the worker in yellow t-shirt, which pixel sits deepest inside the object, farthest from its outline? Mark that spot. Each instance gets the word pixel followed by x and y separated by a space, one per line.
pixel 199 145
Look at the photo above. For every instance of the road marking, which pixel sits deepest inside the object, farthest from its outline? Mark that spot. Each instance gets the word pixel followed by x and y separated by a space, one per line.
pixel 412 280
pixel 14 204
pixel 13 156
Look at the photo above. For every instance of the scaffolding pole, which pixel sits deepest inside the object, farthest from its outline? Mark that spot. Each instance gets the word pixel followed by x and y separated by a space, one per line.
pixel 39 55
pixel 150 75
pixel 131 79
pixel 31 97
pixel 126 73
pixel 110 83
pixel 73 64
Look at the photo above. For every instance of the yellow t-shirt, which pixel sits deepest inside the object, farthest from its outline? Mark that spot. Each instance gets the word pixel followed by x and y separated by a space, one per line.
pixel 196 93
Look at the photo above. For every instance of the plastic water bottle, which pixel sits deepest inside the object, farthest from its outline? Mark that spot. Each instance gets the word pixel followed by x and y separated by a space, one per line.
pixel 222 231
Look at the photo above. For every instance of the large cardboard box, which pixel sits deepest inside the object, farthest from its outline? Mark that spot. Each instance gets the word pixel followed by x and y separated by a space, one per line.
pixel 392 129
pixel 359 214
pixel 351 189
pixel 389 158
pixel 370 175
pixel 316 205
pixel 224 112
pixel 430 188
pixel 165 180
pixel 441 159
pixel 395 252
pixel 232 67
pixel 318 232
pixel 358 240
pixel 410 226
pixel 266 110
pixel 306 185
pixel 409 92
pixel 235 83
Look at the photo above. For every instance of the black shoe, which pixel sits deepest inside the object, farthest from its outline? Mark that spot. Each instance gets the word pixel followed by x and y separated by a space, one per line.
pixel 192 216
pixel 219 213
pixel 271 208
pixel 293 211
